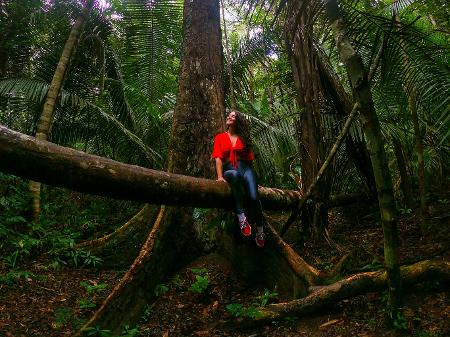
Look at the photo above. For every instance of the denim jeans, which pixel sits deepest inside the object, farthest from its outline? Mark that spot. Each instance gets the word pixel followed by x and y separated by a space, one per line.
pixel 242 181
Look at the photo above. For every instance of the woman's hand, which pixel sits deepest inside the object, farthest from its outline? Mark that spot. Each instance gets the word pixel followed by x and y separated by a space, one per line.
pixel 219 170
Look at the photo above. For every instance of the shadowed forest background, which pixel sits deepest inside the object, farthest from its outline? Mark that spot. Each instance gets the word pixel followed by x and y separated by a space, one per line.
pixel 112 223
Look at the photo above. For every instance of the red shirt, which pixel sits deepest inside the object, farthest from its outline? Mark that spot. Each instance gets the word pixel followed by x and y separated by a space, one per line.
pixel 224 150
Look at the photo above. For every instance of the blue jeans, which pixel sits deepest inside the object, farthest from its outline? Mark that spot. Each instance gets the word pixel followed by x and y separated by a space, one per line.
pixel 244 177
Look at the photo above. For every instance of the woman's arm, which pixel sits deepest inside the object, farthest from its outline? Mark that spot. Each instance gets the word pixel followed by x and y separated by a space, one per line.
pixel 219 169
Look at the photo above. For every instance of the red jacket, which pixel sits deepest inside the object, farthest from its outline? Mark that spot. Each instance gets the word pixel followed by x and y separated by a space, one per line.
pixel 224 149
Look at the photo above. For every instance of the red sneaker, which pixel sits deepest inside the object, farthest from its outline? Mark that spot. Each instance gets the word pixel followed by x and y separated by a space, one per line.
pixel 260 239
pixel 246 229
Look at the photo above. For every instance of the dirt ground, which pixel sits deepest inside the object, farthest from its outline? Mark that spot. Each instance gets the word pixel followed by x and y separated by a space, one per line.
pixel 44 302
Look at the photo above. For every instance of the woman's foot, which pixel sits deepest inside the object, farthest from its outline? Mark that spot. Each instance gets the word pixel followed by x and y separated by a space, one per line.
pixel 246 229
pixel 260 239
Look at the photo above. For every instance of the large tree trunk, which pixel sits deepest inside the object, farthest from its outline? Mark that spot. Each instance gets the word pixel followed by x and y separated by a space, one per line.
pixel 198 116
pixel 311 98
pixel 375 145
pixel 46 117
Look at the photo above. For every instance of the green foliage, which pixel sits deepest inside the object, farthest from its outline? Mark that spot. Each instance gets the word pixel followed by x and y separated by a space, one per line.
pixel 201 280
pixel 251 311
pixel 62 317
pixel 91 288
pixel 235 309
pixel 161 289
pixel 399 321
pixel 238 310
pixel 85 303
pixel 200 285
pixel 404 211
pixel 266 297
pixel 12 276
pixel 128 331
pixel 374 265
pixel 78 257
pixel 147 312
pixel 64 221
pixel 97 332
pixel 429 333
pixel 291 319
pixel 177 282
pixel 200 212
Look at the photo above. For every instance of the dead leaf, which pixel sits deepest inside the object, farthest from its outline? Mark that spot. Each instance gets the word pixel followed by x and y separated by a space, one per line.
pixel 329 323
pixel 202 333
pixel 165 334
pixel 408 313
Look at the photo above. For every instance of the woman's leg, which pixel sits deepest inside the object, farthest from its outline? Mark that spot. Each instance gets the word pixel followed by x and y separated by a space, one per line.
pixel 234 179
pixel 254 207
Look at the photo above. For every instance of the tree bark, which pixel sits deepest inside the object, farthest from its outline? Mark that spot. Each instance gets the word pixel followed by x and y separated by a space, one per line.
pixel 46 117
pixel 405 179
pixel 375 146
pixel 418 144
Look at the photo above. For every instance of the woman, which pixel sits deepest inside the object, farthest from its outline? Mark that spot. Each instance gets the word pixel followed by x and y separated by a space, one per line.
pixel 233 155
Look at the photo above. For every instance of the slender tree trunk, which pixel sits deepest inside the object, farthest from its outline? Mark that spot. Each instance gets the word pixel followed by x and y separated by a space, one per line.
pixel 46 118
pixel 311 98
pixel 418 139
pixel 418 144
pixel 405 179
pixel 375 146
pixel 342 102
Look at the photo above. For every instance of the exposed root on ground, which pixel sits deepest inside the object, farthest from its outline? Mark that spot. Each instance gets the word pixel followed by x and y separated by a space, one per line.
pixel 140 217
pixel 356 285
pixel 295 261
pixel 144 255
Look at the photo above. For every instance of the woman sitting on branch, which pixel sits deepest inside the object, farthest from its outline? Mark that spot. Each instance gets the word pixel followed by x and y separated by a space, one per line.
pixel 233 156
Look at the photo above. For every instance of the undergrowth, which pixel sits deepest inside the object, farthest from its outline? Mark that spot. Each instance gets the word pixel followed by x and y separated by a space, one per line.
pixel 67 217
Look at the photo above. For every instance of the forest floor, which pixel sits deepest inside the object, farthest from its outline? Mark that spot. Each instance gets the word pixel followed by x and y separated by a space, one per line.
pixel 204 298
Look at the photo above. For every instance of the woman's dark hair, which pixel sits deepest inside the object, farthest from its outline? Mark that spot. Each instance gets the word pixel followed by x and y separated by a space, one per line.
pixel 243 130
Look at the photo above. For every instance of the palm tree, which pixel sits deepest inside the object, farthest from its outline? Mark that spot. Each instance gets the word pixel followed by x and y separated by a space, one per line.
pixel 46 117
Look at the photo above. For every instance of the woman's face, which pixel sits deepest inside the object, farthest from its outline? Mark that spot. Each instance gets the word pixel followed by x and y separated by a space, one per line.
pixel 231 118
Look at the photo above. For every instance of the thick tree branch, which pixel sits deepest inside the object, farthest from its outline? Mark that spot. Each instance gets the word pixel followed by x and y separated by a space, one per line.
pixel 46 162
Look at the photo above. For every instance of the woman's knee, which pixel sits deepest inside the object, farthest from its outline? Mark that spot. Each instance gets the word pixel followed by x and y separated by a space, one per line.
pixel 232 176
